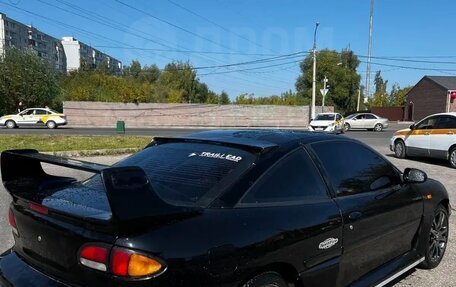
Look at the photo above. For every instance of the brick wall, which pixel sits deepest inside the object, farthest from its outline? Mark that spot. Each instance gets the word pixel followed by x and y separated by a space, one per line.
pixel 98 114
pixel 424 99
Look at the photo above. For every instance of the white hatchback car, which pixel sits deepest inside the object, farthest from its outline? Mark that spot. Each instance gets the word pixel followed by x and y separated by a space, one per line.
pixel 328 122
pixel 433 136
pixel 34 117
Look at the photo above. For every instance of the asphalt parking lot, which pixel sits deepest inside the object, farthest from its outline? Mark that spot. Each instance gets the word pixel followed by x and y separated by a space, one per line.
pixel 443 276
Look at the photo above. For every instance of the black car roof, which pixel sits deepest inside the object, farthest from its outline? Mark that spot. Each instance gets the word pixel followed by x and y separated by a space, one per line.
pixel 259 139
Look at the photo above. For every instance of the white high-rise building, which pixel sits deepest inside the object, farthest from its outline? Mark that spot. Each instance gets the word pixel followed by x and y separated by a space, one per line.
pixel 79 54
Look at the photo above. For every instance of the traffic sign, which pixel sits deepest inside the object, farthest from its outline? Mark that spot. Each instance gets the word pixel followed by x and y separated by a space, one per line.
pixel 323 92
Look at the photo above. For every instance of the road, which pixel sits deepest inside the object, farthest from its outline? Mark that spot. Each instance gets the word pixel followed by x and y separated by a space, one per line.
pixel 368 137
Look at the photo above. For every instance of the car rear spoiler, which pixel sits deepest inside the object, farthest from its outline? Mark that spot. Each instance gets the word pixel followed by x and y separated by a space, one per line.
pixel 129 192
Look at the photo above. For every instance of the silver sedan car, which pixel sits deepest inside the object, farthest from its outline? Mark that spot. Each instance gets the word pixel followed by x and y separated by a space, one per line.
pixel 365 121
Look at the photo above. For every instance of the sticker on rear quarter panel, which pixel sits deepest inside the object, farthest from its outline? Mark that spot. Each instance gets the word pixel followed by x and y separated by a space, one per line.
pixel 328 243
pixel 218 155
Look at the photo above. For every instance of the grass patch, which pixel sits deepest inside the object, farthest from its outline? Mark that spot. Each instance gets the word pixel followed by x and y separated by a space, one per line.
pixel 52 143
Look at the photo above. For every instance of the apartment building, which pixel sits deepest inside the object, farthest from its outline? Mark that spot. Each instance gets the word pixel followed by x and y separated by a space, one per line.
pixel 66 54
pixel 14 34
pixel 78 54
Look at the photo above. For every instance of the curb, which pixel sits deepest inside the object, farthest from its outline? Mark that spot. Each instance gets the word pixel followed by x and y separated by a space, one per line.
pixel 96 152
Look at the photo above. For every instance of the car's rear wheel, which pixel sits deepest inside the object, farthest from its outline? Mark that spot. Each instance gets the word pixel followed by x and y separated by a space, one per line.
pixel 347 126
pixel 437 238
pixel 267 279
pixel 51 125
pixel 10 124
pixel 399 149
pixel 378 127
pixel 452 157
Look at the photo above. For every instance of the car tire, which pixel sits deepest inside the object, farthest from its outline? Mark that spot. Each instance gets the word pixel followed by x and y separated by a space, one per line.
pixel 347 127
pixel 378 127
pixel 452 157
pixel 51 125
pixel 10 124
pixel 437 239
pixel 399 149
pixel 267 279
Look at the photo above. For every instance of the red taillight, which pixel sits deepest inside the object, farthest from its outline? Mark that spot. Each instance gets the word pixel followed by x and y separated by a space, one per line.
pixel 38 208
pixel 94 256
pixel 12 222
pixel 119 262
pixel 123 263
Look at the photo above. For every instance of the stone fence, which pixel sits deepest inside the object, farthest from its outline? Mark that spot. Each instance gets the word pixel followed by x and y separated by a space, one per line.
pixel 100 114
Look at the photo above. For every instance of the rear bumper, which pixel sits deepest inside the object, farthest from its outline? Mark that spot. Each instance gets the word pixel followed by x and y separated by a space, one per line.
pixel 15 272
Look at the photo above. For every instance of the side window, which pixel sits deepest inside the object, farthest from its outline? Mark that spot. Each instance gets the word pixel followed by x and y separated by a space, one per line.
pixel 293 178
pixel 366 170
pixel 446 122
pixel 40 112
pixel 427 124
pixel 361 117
pixel 370 117
pixel 338 117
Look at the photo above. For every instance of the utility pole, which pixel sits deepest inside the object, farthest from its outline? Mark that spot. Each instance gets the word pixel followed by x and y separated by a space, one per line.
pixel 314 76
pixel 369 49
pixel 359 98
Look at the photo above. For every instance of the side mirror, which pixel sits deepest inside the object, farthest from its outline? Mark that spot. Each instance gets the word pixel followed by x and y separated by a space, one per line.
pixel 413 175
pixel 412 127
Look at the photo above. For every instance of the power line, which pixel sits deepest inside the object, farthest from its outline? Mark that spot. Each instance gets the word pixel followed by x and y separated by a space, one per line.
pixel 214 23
pixel 173 25
pixel 114 27
pixel 189 51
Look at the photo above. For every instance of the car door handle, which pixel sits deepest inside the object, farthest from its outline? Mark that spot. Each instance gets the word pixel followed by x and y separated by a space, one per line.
pixel 355 215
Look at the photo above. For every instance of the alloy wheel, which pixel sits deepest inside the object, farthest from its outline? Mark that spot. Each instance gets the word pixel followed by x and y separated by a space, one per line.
pixel 399 149
pixel 438 237
pixel 453 158
pixel 378 128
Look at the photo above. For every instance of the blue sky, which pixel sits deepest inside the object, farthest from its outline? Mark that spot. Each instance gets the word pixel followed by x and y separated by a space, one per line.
pixel 247 30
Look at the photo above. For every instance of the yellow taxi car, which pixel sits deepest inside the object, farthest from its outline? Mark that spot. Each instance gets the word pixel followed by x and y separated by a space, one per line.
pixel 433 136
pixel 34 117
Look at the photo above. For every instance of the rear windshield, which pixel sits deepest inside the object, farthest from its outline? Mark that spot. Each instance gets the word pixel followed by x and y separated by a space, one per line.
pixel 324 117
pixel 186 173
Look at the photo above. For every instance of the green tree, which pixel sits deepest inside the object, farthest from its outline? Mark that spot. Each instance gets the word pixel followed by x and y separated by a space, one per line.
pixel 224 99
pixel 26 78
pixel 380 98
pixel 180 79
pixel 340 69
pixel 149 74
pixel 397 95
pixel 103 67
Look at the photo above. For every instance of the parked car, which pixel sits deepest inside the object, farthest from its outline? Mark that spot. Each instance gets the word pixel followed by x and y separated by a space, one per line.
pixel 327 122
pixel 365 121
pixel 434 136
pixel 34 117
pixel 223 208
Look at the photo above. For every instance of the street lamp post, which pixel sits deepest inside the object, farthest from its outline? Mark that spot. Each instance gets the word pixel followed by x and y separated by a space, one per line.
pixel 314 76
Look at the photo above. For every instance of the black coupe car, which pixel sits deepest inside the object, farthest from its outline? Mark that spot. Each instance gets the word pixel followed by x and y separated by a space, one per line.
pixel 223 208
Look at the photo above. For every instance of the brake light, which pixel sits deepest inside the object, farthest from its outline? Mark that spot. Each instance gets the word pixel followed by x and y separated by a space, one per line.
pixel 123 262
pixel 126 263
pixel 12 222
pixel 119 262
pixel 38 208
pixel 94 257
